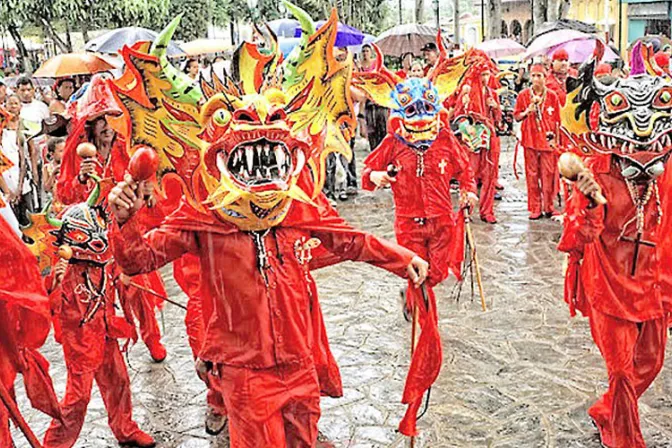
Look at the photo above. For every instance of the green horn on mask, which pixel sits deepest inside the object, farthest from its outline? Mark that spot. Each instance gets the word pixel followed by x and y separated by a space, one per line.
pixel 52 221
pixel 95 194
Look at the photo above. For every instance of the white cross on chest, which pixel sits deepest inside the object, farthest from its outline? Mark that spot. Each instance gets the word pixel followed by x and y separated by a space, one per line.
pixel 550 110
pixel 443 166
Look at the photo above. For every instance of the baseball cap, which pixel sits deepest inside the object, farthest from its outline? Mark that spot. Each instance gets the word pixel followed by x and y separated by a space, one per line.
pixel 430 46
pixel 561 55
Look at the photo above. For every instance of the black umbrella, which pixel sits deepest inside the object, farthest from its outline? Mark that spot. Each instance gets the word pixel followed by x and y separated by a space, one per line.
pixel 563 24
pixel 113 41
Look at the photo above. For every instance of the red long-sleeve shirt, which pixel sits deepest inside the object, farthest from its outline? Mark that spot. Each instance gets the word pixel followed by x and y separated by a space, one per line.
pixel 426 196
pixel 256 322
pixel 533 131
pixel 603 280
pixel 557 86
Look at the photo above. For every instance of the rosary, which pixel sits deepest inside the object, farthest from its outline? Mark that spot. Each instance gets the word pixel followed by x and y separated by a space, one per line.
pixel 420 165
pixel 96 296
pixel 262 253
pixel 640 203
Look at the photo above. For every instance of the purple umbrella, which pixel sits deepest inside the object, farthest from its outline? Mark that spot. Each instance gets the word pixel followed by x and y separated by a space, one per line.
pixel 581 50
pixel 346 36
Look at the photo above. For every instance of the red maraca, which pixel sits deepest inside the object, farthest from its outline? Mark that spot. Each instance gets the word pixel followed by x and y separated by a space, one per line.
pixel 143 164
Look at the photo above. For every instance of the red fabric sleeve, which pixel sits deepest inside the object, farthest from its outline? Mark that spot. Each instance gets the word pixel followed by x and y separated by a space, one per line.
pixel 522 103
pixel 377 161
pixel 496 112
pixel 582 225
pixel 138 254
pixel 356 245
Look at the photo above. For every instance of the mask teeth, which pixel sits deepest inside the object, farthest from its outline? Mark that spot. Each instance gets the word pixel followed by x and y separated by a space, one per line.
pixel 259 162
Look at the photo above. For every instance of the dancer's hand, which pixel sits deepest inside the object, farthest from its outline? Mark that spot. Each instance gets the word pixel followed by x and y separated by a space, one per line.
pixel 126 198
pixel 468 200
pixel 381 179
pixel 587 185
pixel 59 271
pixel 417 271
pixel 202 370
pixel 87 167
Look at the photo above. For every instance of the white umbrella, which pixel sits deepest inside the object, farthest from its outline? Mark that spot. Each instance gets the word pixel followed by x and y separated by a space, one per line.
pixel 409 37
pixel 499 48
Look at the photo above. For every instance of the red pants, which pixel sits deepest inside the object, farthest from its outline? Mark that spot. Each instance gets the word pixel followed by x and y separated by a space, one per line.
pixel 540 173
pixel 270 408
pixel 634 354
pixel 115 388
pixel 485 165
pixel 143 306
pixel 186 271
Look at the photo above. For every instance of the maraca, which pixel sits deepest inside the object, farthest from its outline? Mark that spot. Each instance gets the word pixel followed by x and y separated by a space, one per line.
pixel 143 165
pixel 86 150
pixel 65 252
pixel 571 166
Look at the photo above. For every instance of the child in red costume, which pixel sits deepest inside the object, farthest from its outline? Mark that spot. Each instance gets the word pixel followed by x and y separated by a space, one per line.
pixel 90 124
pixel 89 329
pixel 481 100
pixel 24 327
pixel 621 286
pixel 539 110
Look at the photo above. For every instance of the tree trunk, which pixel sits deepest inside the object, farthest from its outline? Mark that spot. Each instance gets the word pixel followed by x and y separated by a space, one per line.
pixel 23 52
pixel 419 11
pixel 68 37
pixel 84 25
pixel 401 12
pixel 49 31
pixel 456 21
pixel 494 19
pixel 540 13
pixel 552 10
pixel 563 8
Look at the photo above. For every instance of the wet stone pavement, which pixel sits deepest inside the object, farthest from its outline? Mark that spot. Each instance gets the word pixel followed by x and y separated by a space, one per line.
pixel 521 374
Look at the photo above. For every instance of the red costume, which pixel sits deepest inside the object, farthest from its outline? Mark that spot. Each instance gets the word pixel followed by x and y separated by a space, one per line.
pixel 259 335
pixel 426 224
pixel 485 164
pixel 92 353
pixel 70 190
pixel 24 326
pixel 628 313
pixel 540 157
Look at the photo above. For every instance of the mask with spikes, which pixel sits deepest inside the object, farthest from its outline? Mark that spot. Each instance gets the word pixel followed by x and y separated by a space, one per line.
pixel 81 227
pixel 629 118
pixel 255 142
pixel 416 104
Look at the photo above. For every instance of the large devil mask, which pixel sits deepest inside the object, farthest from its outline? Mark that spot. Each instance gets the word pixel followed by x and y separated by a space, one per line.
pixel 630 118
pixel 251 144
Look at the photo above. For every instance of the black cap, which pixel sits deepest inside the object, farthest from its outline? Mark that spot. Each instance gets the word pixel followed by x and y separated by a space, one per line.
pixel 431 46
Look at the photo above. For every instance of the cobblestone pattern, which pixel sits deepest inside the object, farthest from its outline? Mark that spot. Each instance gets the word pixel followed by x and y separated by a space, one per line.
pixel 521 374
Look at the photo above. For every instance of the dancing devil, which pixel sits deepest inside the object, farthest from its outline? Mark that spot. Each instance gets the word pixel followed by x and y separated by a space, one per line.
pixel 251 162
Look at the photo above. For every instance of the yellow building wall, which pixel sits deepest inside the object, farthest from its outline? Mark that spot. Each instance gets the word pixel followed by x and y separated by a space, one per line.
pixel 593 12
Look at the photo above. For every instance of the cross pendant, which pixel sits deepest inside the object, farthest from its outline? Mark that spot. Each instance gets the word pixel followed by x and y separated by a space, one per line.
pixel 638 241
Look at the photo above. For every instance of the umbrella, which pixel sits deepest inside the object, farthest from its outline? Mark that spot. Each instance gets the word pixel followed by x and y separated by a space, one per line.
pixel 368 39
pixel 284 27
pixel 115 40
pixel 72 64
pixel 564 24
pixel 542 44
pixel 206 46
pixel 581 50
pixel 346 36
pixel 499 48
pixel 409 37
pixel 287 44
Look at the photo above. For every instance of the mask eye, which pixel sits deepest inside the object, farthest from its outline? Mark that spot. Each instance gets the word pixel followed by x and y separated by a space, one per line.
pixel 429 96
pixel 278 115
pixel 411 111
pixel 404 99
pixel 429 108
pixel 78 236
pixel 221 117
pixel 615 102
pixel 243 116
pixel 663 99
